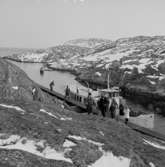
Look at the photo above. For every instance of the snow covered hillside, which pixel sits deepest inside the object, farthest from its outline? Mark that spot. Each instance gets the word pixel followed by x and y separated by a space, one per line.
pixel 89 43
pixel 39 133
pixel 141 56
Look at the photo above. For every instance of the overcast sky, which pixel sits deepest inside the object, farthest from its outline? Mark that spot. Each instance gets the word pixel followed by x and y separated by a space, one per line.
pixel 45 23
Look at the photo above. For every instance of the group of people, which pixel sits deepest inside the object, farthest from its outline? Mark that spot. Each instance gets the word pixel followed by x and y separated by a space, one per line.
pixel 106 105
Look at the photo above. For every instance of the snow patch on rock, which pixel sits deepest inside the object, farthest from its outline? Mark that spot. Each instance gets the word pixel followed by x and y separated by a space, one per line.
pixel 85 139
pixel 151 164
pixel 101 133
pixel 13 107
pixel 141 66
pixel 33 57
pixel 62 118
pixel 39 148
pixel 107 157
pixel 65 118
pixel 15 87
pixel 153 144
pixel 68 143
pixel 48 113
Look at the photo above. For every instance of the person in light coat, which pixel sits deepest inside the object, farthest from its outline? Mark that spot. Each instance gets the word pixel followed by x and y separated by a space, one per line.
pixel 126 114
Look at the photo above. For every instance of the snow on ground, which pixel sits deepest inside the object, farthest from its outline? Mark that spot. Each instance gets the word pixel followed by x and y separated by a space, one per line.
pixel 112 57
pixel 62 118
pixel 65 118
pixel 152 76
pixel 101 133
pixel 85 139
pixel 68 143
pixel 143 63
pixel 152 82
pixel 13 107
pixel 99 65
pixel 158 63
pixel 91 57
pixel 156 145
pixel 107 56
pixel 55 65
pixel 130 67
pixel 48 113
pixel 98 74
pixel 15 87
pixel 151 164
pixel 161 77
pixel 144 60
pixel 107 157
pixel 15 142
pixel 129 61
pixel 35 57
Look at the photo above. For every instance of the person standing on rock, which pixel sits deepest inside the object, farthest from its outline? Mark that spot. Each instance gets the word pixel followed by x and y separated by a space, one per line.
pixel 126 114
pixel 34 93
pixel 113 108
pixel 89 103
pixel 51 85
pixel 121 109
pixel 67 92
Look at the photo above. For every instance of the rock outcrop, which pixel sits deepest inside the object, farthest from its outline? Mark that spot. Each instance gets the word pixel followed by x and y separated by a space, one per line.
pixel 15 84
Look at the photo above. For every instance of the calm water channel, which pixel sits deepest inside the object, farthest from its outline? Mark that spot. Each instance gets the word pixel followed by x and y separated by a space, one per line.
pixel 61 79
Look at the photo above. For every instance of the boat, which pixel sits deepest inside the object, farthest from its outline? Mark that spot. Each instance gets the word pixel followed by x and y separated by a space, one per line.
pixel 80 94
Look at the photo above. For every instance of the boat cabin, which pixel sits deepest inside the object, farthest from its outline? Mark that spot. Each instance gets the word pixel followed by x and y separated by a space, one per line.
pixel 80 94
pixel 110 93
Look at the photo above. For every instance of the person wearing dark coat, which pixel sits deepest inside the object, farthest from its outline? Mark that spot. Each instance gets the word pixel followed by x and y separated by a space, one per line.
pixel 121 109
pixel 113 108
pixel 89 103
pixel 67 92
pixel 103 105
pixel 51 85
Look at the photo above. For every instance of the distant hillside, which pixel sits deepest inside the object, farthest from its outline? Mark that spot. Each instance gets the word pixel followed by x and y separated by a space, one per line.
pixel 89 43
pixel 138 61
pixel 10 51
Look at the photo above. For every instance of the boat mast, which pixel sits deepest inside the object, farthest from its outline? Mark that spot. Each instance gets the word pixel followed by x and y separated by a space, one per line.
pixel 108 80
pixel 108 77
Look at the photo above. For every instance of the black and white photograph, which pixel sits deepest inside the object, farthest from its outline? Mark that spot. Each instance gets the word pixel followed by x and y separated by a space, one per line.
pixel 82 83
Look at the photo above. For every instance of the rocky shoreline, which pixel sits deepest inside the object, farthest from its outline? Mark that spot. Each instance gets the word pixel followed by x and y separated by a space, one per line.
pixel 150 100
pixel 42 133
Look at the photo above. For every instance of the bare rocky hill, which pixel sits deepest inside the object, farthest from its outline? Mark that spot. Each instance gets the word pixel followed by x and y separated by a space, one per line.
pixel 41 133
pixel 89 43
pixel 134 63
